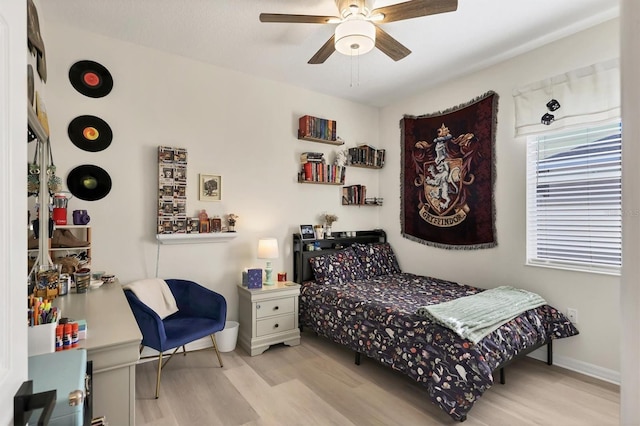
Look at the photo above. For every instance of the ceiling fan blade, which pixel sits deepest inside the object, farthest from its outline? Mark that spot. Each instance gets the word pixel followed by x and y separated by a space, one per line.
pixel 325 51
pixel 390 46
pixel 296 19
pixel 415 9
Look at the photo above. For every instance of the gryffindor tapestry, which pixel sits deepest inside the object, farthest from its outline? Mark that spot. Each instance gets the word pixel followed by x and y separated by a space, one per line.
pixel 448 174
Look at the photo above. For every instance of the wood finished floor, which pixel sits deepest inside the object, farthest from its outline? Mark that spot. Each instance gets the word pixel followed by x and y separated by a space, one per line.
pixel 317 383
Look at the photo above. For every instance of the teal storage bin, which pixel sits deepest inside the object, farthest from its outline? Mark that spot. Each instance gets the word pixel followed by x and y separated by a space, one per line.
pixel 64 371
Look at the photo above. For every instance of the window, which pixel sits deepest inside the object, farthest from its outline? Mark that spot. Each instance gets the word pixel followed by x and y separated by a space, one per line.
pixel 574 195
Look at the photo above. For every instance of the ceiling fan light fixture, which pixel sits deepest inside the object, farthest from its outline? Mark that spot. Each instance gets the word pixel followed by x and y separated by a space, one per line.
pixel 355 37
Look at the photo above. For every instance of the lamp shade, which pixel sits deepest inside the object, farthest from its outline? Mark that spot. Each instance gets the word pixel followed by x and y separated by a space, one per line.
pixel 268 248
pixel 355 37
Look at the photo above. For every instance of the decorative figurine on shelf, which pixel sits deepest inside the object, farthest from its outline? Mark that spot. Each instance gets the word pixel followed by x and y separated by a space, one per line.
pixel 231 220
pixel 328 220
pixel 318 232
pixel 341 158
pixel 204 221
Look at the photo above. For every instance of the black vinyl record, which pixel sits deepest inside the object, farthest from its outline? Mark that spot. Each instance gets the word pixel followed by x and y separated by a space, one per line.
pixel 91 79
pixel 89 182
pixel 90 133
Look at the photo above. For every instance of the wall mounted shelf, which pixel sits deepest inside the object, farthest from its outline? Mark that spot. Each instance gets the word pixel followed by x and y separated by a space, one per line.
pixel 213 237
pixel 311 139
pixel 320 183
pixel 363 166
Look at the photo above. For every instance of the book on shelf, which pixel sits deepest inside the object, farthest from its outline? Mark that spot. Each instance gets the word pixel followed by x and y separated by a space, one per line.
pixel 366 155
pixel 321 172
pixel 317 128
pixel 354 194
pixel 317 157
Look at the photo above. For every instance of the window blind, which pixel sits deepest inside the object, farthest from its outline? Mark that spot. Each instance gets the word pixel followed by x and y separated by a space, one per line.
pixel 574 199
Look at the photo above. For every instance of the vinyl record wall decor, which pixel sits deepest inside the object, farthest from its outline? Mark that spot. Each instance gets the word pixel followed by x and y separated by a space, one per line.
pixel 89 182
pixel 90 133
pixel 91 79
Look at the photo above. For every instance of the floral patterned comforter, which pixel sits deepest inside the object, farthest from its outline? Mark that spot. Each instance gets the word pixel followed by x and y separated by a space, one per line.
pixel 377 317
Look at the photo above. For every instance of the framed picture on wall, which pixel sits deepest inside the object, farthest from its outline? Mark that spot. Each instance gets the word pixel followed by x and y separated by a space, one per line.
pixel 306 232
pixel 210 187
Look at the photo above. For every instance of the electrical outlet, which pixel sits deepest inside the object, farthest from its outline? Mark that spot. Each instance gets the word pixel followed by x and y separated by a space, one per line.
pixel 572 314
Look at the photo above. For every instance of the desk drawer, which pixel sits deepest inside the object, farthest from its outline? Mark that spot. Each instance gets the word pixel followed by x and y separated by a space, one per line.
pixel 269 308
pixel 275 325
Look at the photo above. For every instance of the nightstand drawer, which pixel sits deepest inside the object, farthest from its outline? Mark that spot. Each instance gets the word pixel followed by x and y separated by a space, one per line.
pixel 269 308
pixel 275 325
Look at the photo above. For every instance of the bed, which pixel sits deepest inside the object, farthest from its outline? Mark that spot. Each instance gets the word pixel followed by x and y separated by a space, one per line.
pixel 354 294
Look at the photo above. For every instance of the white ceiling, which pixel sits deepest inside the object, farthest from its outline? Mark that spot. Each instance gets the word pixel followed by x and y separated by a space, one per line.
pixel 228 34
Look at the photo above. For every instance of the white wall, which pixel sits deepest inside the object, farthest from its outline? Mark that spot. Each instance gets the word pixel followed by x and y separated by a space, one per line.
pixel 596 297
pixel 240 127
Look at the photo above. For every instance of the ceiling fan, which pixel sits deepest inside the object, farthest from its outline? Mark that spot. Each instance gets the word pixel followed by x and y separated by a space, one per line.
pixel 356 32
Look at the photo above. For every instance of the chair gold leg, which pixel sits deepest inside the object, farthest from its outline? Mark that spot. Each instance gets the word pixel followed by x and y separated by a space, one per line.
pixel 215 346
pixel 159 372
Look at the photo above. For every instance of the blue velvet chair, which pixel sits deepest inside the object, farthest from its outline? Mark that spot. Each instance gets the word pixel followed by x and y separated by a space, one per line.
pixel 201 312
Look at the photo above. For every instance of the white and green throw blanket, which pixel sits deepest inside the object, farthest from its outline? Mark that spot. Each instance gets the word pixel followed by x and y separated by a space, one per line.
pixel 474 317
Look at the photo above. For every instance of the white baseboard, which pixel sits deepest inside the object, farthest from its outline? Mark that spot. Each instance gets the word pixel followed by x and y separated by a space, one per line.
pixel 581 367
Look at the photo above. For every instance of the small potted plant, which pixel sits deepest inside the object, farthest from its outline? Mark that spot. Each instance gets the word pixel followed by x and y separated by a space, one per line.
pixel 328 220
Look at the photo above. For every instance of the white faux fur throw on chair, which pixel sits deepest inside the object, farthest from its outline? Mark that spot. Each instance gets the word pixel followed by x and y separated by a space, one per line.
pixel 155 293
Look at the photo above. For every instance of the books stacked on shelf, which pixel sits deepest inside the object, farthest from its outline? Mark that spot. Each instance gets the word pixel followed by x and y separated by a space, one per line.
pixel 314 169
pixel 316 128
pixel 311 157
pixel 353 194
pixel 365 155
pixel 375 201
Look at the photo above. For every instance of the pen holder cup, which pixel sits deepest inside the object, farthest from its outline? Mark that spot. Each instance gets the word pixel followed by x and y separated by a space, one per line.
pixel 82 280
pixel 42 339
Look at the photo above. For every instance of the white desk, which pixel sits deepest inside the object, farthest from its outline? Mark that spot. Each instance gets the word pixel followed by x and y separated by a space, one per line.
pixel 113 341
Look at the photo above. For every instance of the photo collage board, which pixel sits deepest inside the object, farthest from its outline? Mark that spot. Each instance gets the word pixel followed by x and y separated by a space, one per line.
pixel 172 191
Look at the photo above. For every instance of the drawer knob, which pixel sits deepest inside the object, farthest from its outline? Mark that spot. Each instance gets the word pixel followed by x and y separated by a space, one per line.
pixel 275 326
pixel 257 306
pixel 275 308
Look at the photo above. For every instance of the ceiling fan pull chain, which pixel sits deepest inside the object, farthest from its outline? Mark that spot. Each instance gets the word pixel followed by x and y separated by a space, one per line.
pixel 357 69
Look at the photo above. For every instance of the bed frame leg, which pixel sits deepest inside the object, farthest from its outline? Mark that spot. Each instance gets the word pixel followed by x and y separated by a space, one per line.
pixel 550 352
pixel 357 360
pixel 503 378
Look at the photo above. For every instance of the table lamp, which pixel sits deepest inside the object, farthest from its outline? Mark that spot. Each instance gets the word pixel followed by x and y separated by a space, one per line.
pixel 268 249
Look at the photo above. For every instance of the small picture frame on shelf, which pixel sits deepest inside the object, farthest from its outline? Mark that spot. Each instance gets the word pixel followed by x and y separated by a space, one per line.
pixel 210 187
pixel 307 233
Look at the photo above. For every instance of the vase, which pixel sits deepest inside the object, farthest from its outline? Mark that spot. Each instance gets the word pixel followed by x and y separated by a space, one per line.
pixel 327 231
pixel 319 233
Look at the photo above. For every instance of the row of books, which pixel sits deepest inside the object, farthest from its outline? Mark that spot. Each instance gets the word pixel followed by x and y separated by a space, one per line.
pixel 366 155
pixel 321 172
pixel 313 157
pixel 353 194
pixel 317 128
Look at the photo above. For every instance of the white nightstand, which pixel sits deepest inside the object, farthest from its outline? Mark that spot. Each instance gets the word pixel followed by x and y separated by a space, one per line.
pixel 268 315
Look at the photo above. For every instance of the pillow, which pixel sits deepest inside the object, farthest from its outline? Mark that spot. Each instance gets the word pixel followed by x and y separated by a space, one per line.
pixel 377 259
pixel 337 268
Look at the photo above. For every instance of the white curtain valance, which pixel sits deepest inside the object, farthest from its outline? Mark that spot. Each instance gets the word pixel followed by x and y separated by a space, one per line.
pixel 586 95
